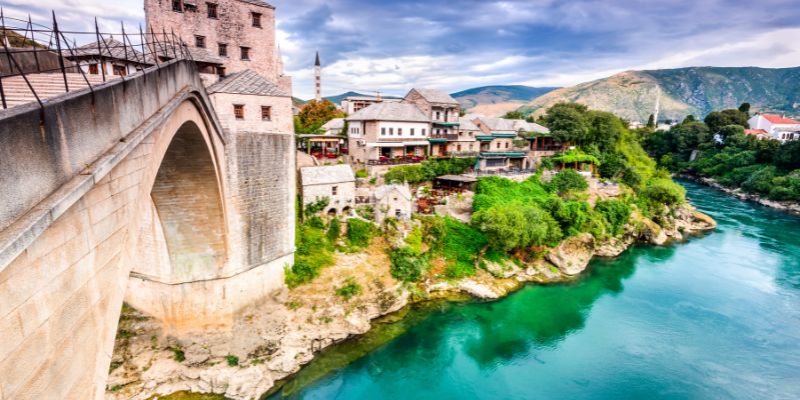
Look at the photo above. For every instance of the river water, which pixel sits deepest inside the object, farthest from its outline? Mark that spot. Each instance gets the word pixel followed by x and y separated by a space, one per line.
pixel 717 317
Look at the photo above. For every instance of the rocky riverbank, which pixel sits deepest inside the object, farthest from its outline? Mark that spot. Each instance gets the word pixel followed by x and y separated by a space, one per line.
pixel 787 206
pixel 271 341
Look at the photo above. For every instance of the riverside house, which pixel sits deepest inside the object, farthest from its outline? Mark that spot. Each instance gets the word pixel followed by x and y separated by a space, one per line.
pixel 506 144
pixel 388 133
pixel 443 112
pixel 337 183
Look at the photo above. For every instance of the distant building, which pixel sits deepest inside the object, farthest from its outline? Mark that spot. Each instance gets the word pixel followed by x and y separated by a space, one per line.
pixel 333 127
pixel 335 182
pixel 388 131
pixel 393 201
pixel 110 57
pixel 758 133
pixel 777 126
pixel 317 79
pixel 354 104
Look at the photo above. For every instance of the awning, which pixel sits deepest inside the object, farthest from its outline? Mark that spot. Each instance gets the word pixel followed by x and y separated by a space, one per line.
pixel 501 154
pixel 398 144
pixel 450 124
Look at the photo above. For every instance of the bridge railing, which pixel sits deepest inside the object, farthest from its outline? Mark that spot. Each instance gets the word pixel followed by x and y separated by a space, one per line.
pixel 30 49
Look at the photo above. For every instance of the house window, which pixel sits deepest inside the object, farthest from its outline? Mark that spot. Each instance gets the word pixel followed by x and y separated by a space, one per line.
pixel 498 145
pixel 334 190
pixel 423 131
pixel 399 131
pixel 391 131
pixel 200 41
pixel 177 6
pixel 256 17
pixel 245 53
pixel 120 70
pixel 93 69
pixel 223 49
pixel 412 131
pixel 238 111
pixel 190 7
pixel 506 144
pixel 438 115
pixel 266 113
pixel 212 10
pixel 458 147
pixel 383 131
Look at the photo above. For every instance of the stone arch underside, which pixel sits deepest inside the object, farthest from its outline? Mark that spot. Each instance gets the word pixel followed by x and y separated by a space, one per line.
pixel 188 207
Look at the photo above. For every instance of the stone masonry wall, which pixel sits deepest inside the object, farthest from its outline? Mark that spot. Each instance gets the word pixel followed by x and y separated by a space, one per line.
pixel 233 26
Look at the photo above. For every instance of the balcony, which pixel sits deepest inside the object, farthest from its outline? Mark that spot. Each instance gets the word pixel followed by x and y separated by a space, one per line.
pixel 462 153
pixel 442 137
pixel 397 160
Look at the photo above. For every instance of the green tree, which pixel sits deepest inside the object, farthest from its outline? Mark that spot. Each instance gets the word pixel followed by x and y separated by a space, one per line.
pixel 745 108
pixel 718 119
pixel 568 181
pixel 567 122
pixel 651 121
pixel 315 114
pixel 514 115
pixel 517 227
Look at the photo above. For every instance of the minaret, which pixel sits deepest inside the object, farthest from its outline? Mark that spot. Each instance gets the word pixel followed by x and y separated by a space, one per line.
pixel 318 76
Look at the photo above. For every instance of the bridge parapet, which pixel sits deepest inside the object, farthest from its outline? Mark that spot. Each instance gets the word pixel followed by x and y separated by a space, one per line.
pixel 44 149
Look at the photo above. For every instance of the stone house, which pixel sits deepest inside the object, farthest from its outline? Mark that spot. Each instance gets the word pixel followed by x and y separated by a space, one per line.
pixel 247 102
pixel 110 57
pixel 336 182
pixel 239 33
pixel 393 201
pixel 443 112
pixel 388 132
pixel 354 104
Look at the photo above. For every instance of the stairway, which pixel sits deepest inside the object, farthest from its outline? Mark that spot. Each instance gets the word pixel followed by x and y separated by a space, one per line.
pixel 46 86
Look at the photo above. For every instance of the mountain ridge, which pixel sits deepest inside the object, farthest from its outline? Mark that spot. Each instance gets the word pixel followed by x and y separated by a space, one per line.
pixel 683 91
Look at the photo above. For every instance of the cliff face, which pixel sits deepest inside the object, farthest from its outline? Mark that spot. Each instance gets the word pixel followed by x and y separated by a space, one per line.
pixel 696 90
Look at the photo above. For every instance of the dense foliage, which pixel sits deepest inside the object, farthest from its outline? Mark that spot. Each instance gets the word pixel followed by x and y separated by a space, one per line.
pixel 349 289
pixel 359 232
pixel 429 169
pixel 407 264
pixel 568 181
pixel 315 114
pixel 313 253
pixel 724 152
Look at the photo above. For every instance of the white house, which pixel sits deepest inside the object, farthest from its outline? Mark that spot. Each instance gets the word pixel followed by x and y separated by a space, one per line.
pixel 388 131
pixel 333 127
pixel 393 201
pixel 335 182
pixel 776 126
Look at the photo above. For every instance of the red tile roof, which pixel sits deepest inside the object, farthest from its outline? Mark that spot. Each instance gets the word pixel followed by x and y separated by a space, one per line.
pixel 755 132
pixel 777 119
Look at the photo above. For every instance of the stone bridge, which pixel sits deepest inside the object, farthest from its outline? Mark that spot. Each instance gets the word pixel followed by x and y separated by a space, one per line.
pixel 133 192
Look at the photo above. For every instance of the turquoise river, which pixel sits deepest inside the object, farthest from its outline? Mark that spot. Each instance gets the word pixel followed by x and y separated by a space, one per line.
pixel 717 317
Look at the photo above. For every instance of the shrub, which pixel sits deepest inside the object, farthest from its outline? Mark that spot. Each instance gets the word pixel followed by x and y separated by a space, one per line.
pixel 461 245
pixel 315 207
pixel 232 360
pixel 359 233
pixel 760 181
pixel 568 181
pixel 517 227
pixel 616 214
pixel 311 256
pixel 366 212
pixel 572 216
pixel 664 191
pixel 414 240
pixel 362 173
pixel 407 265
pixel 351 288
pixel 179 355
pixel 334 230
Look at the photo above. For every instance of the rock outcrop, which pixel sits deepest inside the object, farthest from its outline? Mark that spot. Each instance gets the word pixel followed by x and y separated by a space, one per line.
pixel 572 256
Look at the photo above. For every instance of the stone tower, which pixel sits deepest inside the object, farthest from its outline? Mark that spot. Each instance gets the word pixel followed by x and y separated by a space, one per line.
pixel 318 79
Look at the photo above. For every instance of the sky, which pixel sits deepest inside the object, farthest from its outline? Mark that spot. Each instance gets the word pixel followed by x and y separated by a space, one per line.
pixel 391 45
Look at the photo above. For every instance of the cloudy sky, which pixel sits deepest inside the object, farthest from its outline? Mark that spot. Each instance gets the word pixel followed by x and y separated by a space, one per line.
pixel 453 45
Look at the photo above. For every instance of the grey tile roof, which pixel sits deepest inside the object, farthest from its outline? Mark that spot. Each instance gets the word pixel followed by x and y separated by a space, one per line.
pixel 328 174
pixel 247 82
pixel 110 48
pixel 436 96
pixel 336 123
pixel 385 190
pixel 389 111
pixel 466 124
